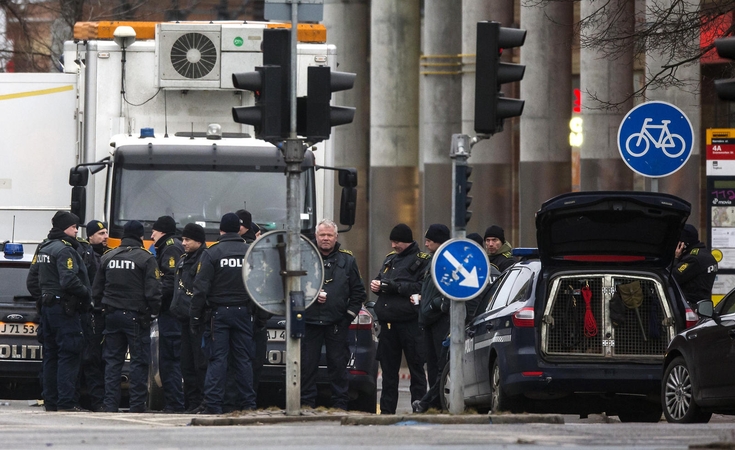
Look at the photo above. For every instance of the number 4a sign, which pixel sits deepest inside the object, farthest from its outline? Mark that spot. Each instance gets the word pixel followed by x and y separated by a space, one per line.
pixel 721 145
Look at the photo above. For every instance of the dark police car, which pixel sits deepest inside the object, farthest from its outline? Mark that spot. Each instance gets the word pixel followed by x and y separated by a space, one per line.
pixel 699 366
pixel 362 368
pixel 582 326
pixel 20 352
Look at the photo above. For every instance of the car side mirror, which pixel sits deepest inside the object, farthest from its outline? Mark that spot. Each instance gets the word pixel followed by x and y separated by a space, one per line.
pixel 78 176
pixel 706 308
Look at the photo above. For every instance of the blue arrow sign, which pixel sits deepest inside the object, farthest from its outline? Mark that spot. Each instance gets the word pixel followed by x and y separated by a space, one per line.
pixel 460 269
pixel 655 139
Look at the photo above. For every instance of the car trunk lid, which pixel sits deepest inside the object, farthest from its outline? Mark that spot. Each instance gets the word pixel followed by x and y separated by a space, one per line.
pixel 619 228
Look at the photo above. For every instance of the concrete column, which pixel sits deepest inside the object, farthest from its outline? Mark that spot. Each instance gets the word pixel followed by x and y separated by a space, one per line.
pixel 492 160
pixel 606 76
pixel 545 161
pixel 394 92
pixel 348 28
pixel 440 107
pixel 686 182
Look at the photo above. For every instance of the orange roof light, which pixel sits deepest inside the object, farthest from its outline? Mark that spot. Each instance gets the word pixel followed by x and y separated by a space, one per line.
pixel 307 32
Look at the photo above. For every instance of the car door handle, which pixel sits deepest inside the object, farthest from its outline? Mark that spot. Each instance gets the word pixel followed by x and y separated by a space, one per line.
pixel 489 326
pixel 471 333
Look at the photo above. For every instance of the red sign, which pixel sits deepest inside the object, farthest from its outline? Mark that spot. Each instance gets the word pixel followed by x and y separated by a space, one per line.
pixel 720 151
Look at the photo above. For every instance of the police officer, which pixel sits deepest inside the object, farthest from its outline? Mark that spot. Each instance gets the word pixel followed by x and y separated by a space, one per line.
pixel 58 277
pixel 695 268
pixel 498 250
pixel 399 278
pixel 193 362
pixel 168 251
pixel 128 285
pixel 92 372
pixel 328 319
pixel 221 304
pixel 434 318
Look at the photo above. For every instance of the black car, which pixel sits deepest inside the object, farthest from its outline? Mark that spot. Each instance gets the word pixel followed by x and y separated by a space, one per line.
pixel 699 365
pixel 362 367
pixel 21 354
pixel 582 326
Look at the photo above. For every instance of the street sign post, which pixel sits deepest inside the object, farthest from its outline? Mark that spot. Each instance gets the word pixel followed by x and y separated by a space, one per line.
pixel 655 139
pixel 460 270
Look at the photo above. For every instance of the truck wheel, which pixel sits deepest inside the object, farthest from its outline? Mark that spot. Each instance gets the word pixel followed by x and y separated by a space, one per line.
pixel 677 395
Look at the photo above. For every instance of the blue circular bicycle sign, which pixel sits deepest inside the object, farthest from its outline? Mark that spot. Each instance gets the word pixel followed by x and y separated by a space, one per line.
pixel 655 139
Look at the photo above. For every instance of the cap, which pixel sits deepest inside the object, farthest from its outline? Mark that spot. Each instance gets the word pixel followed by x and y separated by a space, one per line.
pixel 475 237
pixel 245 217
pixel 165 224
pixel 230 223
pixel 438 233
pixel 64 219
pixel 195 232
pixel 133 229
pixel 496 232
pixel 401 233
pixel 689 235
pixel 94 226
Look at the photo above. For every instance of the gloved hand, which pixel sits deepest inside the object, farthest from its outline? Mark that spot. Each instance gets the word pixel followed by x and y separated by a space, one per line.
pixel 389 286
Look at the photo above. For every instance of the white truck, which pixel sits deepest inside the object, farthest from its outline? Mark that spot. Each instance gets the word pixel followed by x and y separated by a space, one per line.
pixel 158 112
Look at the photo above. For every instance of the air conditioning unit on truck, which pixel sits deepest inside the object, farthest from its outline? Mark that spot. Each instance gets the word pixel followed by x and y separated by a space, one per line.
pixel 158 123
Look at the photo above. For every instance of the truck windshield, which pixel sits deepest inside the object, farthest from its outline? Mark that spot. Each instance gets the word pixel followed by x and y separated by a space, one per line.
pixel 201 196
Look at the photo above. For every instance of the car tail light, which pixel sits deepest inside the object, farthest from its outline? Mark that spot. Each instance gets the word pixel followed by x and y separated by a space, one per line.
pixel 358 372
pixel 532 374
pixel 363 321
pixel 691 317
pixel 523 317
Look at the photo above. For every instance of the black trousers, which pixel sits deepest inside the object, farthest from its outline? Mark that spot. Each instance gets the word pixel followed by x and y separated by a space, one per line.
pixel 396 339
pixel 437 356
pixel 334 338
pixel 193 366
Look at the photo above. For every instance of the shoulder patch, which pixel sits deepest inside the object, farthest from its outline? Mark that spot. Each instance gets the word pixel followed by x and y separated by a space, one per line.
pixel 682 267
pixel 159 274
pixel 344 250
pixel 695 251
pixel 199 266
pixel 69 264
pixel 391 253
pixel 170 241
pixel 82 240
pixel 171 262
pixel 507 254
pixel 65 242
pixel 149 252
pixel 423 255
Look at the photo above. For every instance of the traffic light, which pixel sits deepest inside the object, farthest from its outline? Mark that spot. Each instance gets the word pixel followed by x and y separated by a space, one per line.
pixel 269 83
pixel 265 116
pixel 491 108
pixel 315 117
pixel 725 88
pixel 462 213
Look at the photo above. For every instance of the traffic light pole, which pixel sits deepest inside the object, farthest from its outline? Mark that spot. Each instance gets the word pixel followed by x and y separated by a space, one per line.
pixel 294 156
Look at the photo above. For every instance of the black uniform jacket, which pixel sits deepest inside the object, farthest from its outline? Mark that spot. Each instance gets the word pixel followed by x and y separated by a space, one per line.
pixel 57 268
pixel 406 270
pixel 344 288
pixel 219 275
pixel 433 303
pixel 186 270
pixel 129 279
pixel 168 252
pixel 503 258
pixel 695 272
pixel 90 257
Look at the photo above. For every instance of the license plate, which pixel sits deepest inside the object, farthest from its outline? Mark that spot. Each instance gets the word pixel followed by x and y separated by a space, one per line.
pixel 276 335
pixel 18 329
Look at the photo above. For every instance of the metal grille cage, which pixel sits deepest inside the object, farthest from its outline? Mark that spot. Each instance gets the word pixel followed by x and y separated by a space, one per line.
pixel 563 325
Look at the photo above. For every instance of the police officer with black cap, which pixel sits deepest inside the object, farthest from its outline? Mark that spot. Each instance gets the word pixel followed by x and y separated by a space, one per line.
pixel 193 362
pixel 399 278
pixel 128 285
pixel 434 318
pixel 222 306
pixel 328 319
pixel 168 251
pixel 92 371
pixel 695 268
pixel 498 249
pixel 58 278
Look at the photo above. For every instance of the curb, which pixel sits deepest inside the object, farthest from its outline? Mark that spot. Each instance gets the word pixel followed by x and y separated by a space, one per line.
pixel 407 419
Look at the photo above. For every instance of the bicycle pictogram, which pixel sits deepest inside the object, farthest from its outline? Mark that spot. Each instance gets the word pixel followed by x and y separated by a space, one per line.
pixel 665 141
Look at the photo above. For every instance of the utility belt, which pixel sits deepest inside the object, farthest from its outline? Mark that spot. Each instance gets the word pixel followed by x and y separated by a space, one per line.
pixel 141 318
pixel 71 303
pixel 107 309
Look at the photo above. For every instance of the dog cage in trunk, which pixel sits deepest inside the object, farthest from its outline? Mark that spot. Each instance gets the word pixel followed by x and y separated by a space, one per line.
pixel 607 316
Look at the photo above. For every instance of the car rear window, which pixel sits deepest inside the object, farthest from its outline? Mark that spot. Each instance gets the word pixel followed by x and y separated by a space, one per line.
pixel 13 283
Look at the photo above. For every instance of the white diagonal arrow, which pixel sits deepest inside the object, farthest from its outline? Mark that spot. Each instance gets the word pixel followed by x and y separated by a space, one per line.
pixel 470 278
